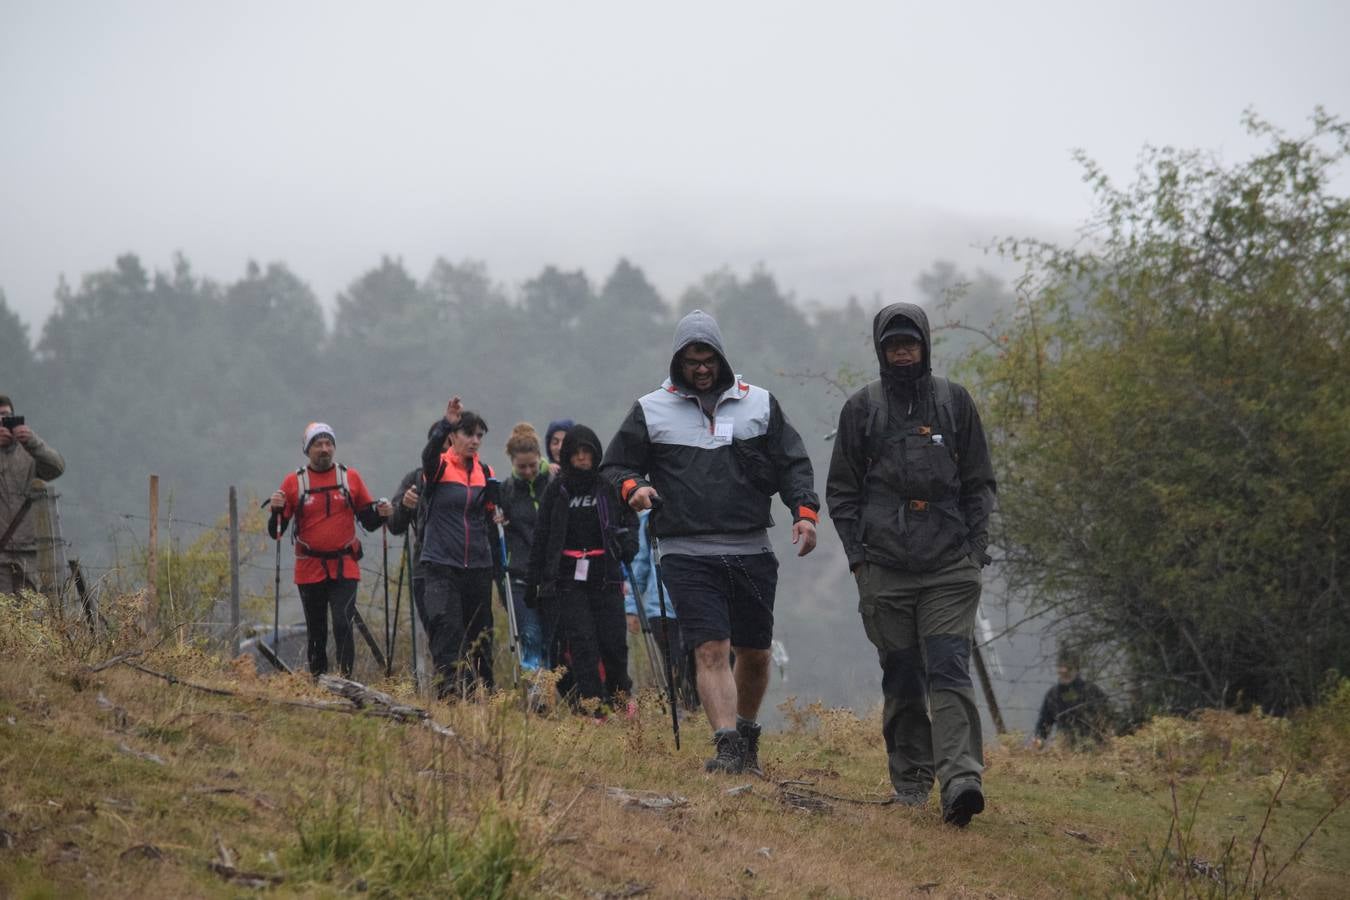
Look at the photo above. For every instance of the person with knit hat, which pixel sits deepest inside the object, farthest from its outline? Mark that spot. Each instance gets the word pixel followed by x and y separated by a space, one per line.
pixel 713 450
pixel 573 578
pixel 326 500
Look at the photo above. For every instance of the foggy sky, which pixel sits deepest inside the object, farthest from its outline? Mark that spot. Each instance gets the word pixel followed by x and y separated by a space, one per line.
pixel 844 145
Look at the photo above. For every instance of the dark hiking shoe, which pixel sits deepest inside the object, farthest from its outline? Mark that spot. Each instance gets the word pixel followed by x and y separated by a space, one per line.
pixel 730 758
pixel 913 796
pixel 963 801
pixel 749 732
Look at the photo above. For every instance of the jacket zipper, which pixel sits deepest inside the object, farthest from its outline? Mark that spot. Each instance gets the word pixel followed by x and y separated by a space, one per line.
pixel 468 491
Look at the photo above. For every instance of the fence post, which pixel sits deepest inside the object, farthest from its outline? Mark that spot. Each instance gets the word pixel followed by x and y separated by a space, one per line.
pixel 234 572
pixel 152 557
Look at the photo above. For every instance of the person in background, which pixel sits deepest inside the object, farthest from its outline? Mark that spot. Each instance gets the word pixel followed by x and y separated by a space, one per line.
pixel 409 517
pixel 459 552
pixel 553 438
pixel 665 628
pixel 1075 708
pixel 518 513
pixel 573 578
pixel 24 458
pixel 326 500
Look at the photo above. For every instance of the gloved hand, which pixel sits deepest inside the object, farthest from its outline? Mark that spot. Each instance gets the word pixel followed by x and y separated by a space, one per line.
pixel 531 598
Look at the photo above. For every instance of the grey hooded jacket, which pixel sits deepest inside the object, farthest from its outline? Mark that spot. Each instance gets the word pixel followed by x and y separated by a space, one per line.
pixel 715 473
pixel 906 495
pixel 19 467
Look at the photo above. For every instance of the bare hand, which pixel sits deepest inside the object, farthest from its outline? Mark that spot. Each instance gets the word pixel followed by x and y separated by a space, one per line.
pixel 6 436
pixel 23 434
pixel 804 531
pixel 410 497
pixel 453 409
pixel 499 517
pixel 384 508
pixel 641 498
pixel 633 623
pixel 278 500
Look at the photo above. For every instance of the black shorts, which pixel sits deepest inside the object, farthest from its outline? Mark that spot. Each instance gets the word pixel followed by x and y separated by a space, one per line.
pixel 721 597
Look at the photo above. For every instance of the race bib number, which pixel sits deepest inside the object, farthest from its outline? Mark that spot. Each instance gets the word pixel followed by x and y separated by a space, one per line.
pixel 722 431
pixel 583 569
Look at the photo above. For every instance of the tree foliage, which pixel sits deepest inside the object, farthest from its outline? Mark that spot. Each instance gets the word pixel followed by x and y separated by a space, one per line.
pixel 1170 404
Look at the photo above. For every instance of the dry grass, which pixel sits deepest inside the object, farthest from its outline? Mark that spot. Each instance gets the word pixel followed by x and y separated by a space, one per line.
pixel 334 803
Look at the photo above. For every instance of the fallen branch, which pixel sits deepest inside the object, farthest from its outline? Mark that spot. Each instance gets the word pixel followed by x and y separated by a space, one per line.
pixel 646 799
pixel 807 789
pixel 174 679
pixel 141 754
pixel 387 708
pixel 121 657
pixel 362 696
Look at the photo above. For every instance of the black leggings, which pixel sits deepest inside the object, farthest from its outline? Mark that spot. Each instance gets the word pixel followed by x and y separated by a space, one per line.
pixel 318 599
pixel 457 612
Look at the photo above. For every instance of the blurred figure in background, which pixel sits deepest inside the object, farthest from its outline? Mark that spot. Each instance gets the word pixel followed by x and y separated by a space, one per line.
pixel 24 458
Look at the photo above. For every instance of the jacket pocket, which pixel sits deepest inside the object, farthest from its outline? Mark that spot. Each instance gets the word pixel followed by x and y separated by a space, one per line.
pixel 756 467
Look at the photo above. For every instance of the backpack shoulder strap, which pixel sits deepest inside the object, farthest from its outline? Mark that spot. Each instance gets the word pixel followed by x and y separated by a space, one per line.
pixel 877 413
pixel 942 398
pixel 342 486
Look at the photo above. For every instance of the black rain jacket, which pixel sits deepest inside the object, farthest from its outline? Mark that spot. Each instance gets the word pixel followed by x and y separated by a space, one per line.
pixel 906 495
pixel 715 474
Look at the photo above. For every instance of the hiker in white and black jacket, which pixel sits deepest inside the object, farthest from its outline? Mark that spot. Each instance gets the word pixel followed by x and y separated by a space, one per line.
pixel 910 490
pixel 713 450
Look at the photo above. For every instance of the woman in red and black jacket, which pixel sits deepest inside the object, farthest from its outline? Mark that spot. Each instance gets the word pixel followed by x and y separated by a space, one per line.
pixel 459 552
pixel 573 577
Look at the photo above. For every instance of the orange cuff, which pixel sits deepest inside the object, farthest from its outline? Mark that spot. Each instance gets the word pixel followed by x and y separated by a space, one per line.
pixel 626 489
pixel 806 512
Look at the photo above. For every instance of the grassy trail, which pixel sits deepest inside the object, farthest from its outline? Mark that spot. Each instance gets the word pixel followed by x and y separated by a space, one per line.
pixel 116 783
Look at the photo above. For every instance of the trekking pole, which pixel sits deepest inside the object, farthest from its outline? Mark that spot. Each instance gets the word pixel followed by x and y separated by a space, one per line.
pixel 644 623
pixel 509 599
pixel 384 576
pixel 361 626
pixel 398 606
pixel 661 599
pixel 273 654
pixel 412 612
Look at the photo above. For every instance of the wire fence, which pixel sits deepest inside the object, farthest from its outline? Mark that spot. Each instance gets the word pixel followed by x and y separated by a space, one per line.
pixel 1019 684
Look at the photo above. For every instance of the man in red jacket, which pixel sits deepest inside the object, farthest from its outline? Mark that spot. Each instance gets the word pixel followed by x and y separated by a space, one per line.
pixel 327 500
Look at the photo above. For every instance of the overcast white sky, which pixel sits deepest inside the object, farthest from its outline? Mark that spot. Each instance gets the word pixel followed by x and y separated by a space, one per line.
pixel 845 145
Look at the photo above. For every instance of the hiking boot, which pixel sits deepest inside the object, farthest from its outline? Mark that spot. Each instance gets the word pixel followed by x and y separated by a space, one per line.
pixel 730 758
pixel 961 802
pixel 749 732
pixel 913 796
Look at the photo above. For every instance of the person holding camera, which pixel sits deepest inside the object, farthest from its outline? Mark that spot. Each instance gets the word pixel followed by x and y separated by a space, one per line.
pixel 24 458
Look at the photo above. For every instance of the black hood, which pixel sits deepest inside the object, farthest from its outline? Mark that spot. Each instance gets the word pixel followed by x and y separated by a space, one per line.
pixel 887 316
pixel 553 428
pixel 580 436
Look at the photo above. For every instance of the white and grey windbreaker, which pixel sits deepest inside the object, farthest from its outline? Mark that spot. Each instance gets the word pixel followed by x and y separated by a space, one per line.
pixel 715 475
